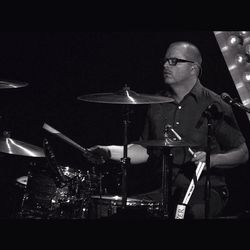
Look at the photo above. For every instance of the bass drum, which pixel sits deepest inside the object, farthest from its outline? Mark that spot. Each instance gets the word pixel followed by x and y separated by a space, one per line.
pixel 44 199
pixel 108 206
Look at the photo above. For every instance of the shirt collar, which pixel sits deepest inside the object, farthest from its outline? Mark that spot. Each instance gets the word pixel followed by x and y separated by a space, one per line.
pixel 196 91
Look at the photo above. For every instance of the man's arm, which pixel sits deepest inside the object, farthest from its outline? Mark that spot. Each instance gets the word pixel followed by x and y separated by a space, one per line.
pixel 136 153
pixel 101 154
pixel 229 159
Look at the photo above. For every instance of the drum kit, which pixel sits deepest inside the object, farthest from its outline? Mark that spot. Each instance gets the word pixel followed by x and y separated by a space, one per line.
pixel 57 191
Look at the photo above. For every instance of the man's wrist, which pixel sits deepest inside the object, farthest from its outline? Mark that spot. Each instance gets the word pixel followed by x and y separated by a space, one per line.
pixel 214 160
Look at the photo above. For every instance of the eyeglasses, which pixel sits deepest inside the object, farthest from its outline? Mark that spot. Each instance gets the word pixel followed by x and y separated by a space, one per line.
pixel 173 61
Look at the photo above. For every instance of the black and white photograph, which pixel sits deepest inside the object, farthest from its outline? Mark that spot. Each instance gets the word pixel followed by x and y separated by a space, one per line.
pixel 102 126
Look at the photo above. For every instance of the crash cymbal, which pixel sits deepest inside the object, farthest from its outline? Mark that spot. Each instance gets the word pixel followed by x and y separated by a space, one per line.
pixel 164 143
pixel 12 85
pixel 124 96
pixel 14 147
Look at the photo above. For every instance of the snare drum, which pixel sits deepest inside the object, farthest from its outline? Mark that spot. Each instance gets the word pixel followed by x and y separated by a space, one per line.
pixel 107 205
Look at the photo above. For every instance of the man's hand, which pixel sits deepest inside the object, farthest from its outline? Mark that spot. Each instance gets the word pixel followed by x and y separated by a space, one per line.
pixel 199 156
pixel 98 154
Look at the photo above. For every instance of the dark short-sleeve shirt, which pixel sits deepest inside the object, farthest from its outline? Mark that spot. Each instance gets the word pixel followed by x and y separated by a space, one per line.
pixel 188 120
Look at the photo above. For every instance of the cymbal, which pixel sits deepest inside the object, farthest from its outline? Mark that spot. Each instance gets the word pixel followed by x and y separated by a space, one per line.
pixel 164 143
pixel 124 96
pixel 14 147
pixel 12 85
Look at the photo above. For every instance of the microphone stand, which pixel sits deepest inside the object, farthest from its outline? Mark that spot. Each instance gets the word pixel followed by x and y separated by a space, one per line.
pixel 208 153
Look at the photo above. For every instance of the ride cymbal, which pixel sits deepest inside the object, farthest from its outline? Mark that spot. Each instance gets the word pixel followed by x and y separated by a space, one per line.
pixel 124 96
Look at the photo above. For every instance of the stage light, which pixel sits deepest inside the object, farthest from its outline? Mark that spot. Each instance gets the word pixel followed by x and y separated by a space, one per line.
pixel 247 49
pixel 235 48
pixel 243 33
pixel 240 59
pixel 246 76
pixel 234 40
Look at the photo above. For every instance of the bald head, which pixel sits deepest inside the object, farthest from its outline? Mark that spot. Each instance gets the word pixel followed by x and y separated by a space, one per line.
pixel 188 50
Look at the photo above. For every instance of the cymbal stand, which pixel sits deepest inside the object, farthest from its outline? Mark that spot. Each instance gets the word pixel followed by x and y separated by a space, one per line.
pixel 125 161
pixel 26 193
pixel 166 183
pixel 166 179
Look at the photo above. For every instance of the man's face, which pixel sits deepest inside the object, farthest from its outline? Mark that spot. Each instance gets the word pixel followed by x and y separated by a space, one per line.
pixel 174 74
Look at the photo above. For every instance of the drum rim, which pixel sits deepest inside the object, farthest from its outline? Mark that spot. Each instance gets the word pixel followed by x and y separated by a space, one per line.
pixel 117 198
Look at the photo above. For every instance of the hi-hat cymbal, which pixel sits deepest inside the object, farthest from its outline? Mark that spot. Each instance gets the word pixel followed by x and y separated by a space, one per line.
pixel 124 96
pixel 12 85
pixel 164 143
pixel 14 147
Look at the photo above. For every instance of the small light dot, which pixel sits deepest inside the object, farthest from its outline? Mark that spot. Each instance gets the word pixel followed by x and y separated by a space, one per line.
pixel 241 59
pixel 246 76
pixel 234 40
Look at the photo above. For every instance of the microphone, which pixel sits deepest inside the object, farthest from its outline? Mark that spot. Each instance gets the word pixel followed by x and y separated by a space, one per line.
pixel 228 99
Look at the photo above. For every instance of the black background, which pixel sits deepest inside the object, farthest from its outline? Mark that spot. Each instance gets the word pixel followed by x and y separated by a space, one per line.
pixel 60 66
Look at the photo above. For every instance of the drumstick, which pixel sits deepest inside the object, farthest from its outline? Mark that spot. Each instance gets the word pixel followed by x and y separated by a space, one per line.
pixel 55 132
pixel 191 187
pixel 179 138
pixel 198 171
pixel 180 210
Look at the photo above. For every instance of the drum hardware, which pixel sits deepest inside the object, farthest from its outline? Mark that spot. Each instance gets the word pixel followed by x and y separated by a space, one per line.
pixel 108 206
pixel 71 201
pixel 24 180
pixel 125 97
pixel 73 190
pixel 49 196
pixel 42 199
pixel 91 178
pixel 68 195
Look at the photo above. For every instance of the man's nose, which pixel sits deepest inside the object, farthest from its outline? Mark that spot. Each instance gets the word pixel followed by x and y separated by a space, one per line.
pixel 165 64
